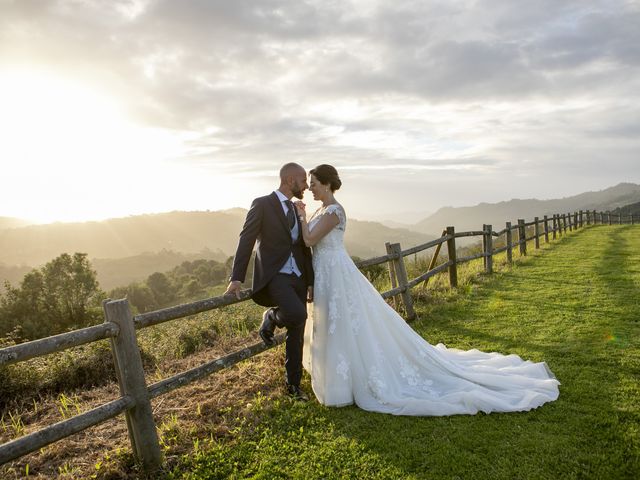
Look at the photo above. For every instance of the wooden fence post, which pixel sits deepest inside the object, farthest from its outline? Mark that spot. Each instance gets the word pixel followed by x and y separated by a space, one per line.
pixel 564 222
pixel 451 249
pixel 509 244
pixel 522 236
pixel 588 212
pixel 581 219
pixel 484 246
pixel 569 221
pixel 130 373
pixel 434 258
pixel 609 217
pixel 558 218
pixel 575 221
pixel 594 218
pixel 488 259
pixel 536 229
pixel 401 274
pixel 555 225
pixel 601 218
pixel 392 276
pixel 546 229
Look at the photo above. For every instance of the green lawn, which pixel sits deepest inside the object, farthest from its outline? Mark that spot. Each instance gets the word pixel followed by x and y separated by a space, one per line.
pixel 573 304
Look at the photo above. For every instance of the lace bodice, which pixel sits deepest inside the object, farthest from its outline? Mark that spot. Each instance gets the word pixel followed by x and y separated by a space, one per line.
pixel 335 238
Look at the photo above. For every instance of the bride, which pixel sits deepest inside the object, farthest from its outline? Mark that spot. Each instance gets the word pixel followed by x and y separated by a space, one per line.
pixel 359 350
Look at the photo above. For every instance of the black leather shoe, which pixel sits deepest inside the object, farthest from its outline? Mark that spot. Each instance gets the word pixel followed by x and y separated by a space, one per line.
pixel 267 328
pixel 297 393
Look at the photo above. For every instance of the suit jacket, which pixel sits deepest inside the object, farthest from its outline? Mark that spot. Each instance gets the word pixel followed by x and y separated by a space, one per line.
pixel 267 224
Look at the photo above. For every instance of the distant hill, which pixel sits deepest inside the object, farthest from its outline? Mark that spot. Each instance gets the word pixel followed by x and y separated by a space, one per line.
pixel 472 218
pixel 118 272
pixel 398 219
pixel 12 274
pixel 367 239
pixel 10 222
pixel 184 232
pixel 632 209
pixel 126 249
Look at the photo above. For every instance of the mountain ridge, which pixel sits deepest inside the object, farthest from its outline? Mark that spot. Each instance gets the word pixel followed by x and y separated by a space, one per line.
pixel 472 217
pixel 183 232
pixel 13 222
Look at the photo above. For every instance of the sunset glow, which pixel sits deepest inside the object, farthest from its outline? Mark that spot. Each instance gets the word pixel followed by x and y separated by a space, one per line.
pixel 114 109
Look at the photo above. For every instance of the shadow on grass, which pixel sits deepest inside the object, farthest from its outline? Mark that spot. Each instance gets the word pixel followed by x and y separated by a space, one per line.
pixel 613 268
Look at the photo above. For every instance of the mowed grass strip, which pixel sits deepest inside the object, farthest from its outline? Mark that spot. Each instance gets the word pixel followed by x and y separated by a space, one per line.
pixel 573 304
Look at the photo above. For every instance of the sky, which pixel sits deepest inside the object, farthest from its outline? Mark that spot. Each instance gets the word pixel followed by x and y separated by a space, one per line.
pixel 122 107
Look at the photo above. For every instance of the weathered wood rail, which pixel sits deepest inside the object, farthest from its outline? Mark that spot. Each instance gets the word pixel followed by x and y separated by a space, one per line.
pixel 120 326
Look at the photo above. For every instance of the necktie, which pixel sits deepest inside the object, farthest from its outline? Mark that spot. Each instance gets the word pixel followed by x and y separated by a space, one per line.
pixel 291 216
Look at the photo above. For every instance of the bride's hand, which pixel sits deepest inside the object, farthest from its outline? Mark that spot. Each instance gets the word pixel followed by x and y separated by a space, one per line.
pixel 301 208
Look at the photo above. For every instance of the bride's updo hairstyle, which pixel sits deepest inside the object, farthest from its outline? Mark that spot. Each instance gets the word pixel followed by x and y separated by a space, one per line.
pixel 327 175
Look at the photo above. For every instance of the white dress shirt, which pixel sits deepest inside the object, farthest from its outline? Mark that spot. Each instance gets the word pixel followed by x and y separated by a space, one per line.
pixel 290 265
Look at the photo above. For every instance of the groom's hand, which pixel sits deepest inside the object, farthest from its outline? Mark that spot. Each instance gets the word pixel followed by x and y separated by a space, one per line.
pixel 309 294
pixel 234 287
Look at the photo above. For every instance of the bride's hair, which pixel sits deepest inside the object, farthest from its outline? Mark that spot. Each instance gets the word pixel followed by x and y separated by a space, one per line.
pixel 327 175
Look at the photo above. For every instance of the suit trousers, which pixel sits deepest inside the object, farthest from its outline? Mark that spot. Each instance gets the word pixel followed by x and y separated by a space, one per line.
pixel 289 293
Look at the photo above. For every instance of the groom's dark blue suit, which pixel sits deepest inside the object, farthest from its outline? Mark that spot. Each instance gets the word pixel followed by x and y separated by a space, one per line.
pixel 267 225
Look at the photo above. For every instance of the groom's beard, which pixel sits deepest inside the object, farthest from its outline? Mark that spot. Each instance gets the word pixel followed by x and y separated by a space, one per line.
pixel 297 193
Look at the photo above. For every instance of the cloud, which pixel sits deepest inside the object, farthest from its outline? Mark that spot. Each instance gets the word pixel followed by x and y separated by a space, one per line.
pixel 445 87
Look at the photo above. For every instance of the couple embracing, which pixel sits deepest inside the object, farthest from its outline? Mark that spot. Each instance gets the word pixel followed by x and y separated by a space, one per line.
pixel 356 348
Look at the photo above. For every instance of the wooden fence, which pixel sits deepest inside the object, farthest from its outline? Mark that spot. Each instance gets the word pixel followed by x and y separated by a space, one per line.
pixel 120 326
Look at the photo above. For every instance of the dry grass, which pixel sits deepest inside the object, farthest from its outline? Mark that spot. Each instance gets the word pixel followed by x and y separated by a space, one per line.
pixel 208 408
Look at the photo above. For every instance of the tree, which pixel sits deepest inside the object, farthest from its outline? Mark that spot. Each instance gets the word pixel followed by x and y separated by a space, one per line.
pixel 141 297
pixel 62 295
pixel 161 287
pixel 192 287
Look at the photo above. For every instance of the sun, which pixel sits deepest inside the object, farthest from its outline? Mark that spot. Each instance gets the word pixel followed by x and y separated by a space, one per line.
pixel 64 143
pixel 49 121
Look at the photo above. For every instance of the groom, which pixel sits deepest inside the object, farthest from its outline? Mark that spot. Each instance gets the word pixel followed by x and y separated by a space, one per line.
pixel 282 273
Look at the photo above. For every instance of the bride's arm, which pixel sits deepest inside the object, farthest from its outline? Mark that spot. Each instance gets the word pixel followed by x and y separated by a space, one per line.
pixel 324 226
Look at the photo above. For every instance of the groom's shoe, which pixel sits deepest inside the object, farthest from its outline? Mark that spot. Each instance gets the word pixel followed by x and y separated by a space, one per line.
pixel 268 327
pixel 297 393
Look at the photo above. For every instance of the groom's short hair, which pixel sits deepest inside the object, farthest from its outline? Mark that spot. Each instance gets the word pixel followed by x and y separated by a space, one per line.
pixel 290 169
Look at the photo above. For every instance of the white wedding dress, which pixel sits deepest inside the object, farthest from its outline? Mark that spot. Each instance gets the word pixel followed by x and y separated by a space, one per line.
pixel 359 350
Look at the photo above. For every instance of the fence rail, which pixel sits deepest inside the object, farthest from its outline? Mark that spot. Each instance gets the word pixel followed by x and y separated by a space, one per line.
pixel 120 326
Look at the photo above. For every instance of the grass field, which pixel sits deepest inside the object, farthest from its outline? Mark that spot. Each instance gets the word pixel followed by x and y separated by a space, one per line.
pixel 573 305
